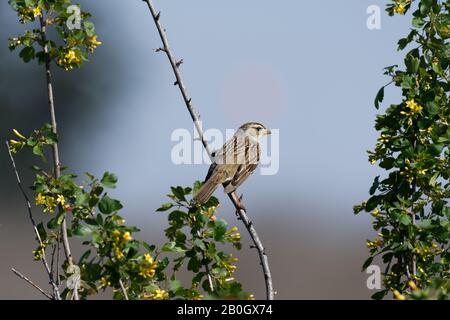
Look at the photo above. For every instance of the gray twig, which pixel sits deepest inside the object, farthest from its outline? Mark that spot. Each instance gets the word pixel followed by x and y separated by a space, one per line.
pixel 55 151
pixel 20 275
pixel 124 290
pixel 195 118
pixel 35 229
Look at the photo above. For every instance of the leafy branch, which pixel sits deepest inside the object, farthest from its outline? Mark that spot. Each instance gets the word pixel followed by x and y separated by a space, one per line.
pixel 410 205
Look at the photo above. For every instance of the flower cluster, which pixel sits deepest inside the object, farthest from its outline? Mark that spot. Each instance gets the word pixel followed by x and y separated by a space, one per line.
pixel 28 14
pixel 76 43
pixel 119 240
pixel 157 294
pixel 50 202
pixel 93 43
pixel 104 282
pixel 233 235
pixel 147 267
pixel 69 59
pixel 413 107
pixel 376 243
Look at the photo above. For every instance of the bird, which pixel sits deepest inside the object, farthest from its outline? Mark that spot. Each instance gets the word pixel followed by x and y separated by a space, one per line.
pixel 234 162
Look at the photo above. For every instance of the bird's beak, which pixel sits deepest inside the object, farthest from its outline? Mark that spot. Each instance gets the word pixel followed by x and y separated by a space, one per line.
pixel 268 132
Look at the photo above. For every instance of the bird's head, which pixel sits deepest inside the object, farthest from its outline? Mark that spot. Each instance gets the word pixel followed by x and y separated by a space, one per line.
pixel 254 129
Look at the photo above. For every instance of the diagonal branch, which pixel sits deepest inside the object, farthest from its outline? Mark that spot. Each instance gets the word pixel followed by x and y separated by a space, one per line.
pixel 55 151
pixel 195 118
pixel 35 229
pixel 21 276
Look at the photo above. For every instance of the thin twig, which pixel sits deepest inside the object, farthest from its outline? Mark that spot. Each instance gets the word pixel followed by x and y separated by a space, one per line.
pixel 195 118
pixel 33 222
pixel 124 290
pixel 20 275
pixel 55 151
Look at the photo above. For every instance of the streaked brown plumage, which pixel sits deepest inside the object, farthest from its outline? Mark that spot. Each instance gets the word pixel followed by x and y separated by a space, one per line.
pixel 234 162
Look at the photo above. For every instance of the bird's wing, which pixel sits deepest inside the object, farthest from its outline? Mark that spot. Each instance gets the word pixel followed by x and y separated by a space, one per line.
pixel 241 175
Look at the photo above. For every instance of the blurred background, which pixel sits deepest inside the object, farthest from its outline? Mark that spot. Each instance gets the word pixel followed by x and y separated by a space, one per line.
pixel 308 68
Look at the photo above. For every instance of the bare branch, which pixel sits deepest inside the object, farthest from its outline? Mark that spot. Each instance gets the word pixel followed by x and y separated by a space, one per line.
pixel 55 151
pixel 195 118
pixel 20 275
pixel 33 222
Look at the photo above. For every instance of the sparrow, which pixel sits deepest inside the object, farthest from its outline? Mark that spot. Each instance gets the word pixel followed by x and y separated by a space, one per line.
pixel 234 162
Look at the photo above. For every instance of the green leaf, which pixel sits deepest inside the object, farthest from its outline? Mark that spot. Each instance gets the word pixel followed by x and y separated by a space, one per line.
pixel 379 295
pixel 178 192
pixel 165 207
pixel 220 228
pixel 172 247
pixel 174 285
pixel 199 243
pixel 38 150
pixel 197 186
pixel 434 179
pixel 60 217
pixel 412 64
pixel 81 198
pixel 27 54
pixel 379 98
pixel 52 224
pixel 194 264
pixel 109 180
pixel 108 205
pixel 367 263
pixel 387 163
pixel 405 219
pixel 418 22
pixel 89 28
pixel 82 230
pixel 375 184
pixel 425 224
pixel 372 203
pixel 42 232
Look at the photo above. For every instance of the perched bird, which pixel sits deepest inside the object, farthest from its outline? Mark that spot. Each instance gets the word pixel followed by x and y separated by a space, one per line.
pixel 234 162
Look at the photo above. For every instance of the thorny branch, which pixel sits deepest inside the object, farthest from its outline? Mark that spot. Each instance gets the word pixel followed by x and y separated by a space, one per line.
pixel 195 118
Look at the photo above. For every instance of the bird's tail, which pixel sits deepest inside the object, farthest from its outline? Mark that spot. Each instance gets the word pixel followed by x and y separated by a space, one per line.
pixel 207 189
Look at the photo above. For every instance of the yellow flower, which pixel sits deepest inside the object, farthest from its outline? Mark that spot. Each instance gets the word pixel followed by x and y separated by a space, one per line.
pixel 399 8
pixel 413 106
pixel 116 234
pixel 398 295
pixel 148 258
pixel 18 134
pixel 60 199
pixel 148 267
pixel 93 43
pixel 375 243
pixel 159 294
pixel 37 12
pixel 104 283
pixel 375 213
pixel 422 171
pixel 71 57
pixel 412 285
pixel 119 254
pixel 127 236
pixel 40 199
